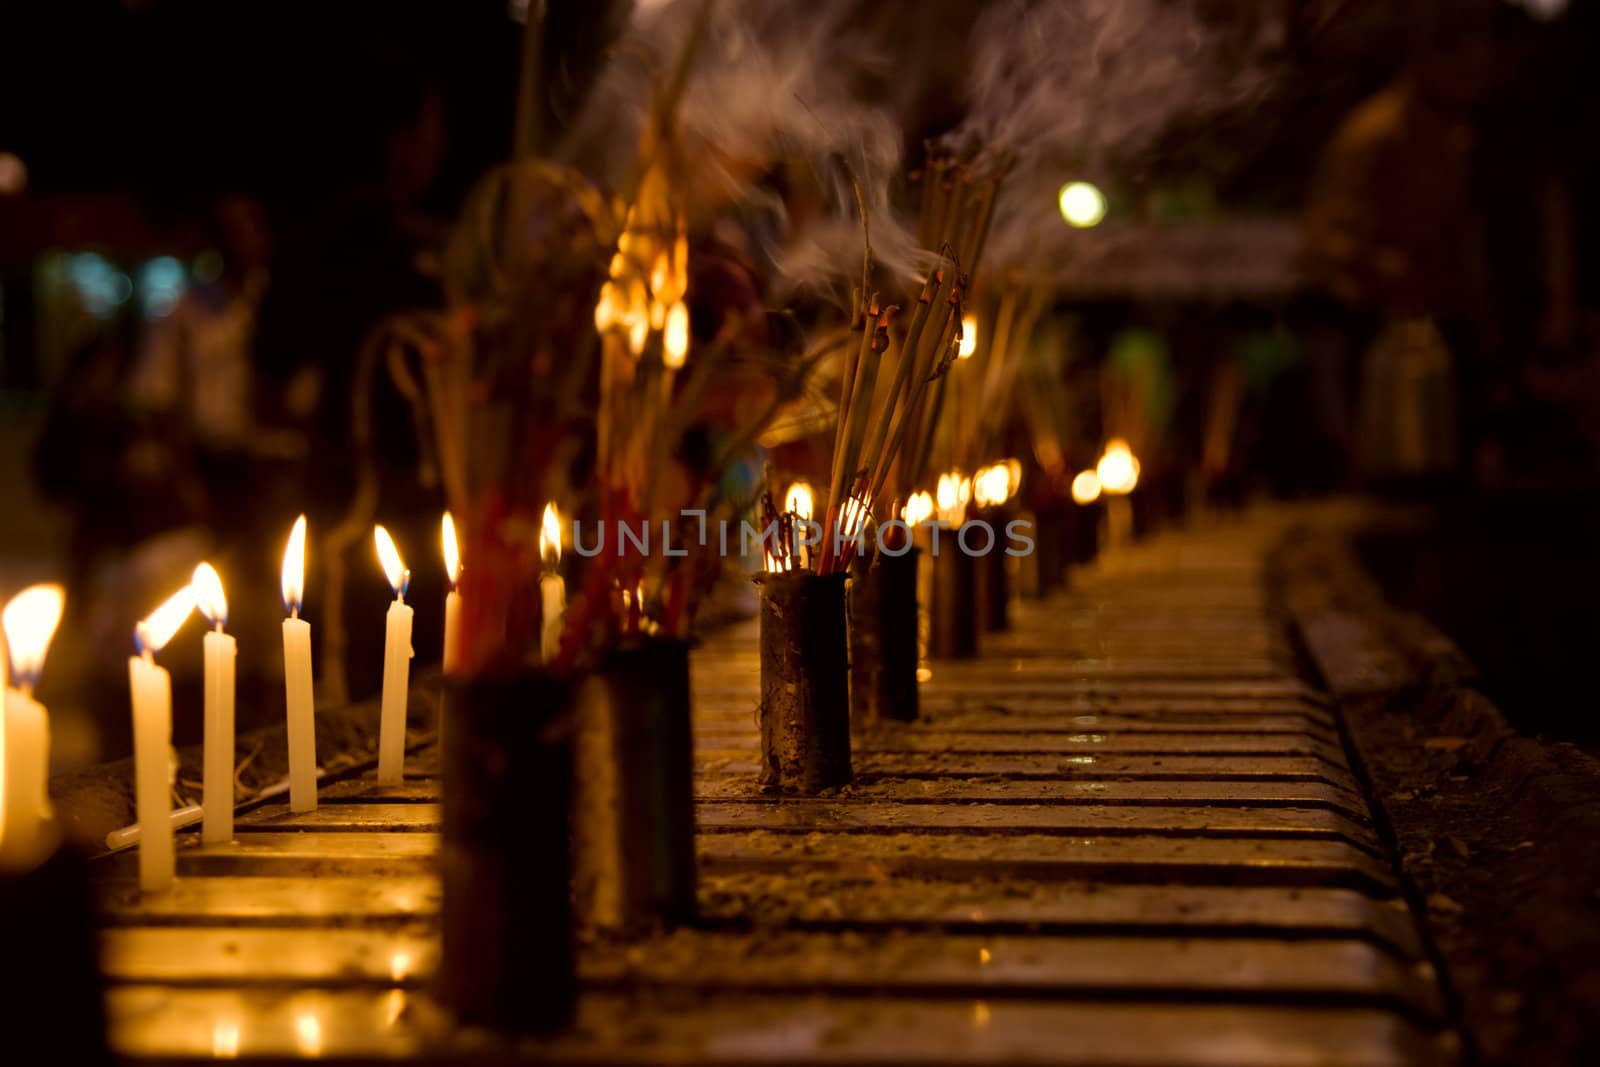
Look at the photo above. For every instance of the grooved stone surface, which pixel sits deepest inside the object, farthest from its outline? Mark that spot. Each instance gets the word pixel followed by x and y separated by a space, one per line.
pixel 1127 834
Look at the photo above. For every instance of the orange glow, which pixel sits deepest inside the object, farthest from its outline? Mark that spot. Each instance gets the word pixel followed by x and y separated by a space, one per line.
pixel 675 336
pixel 969 336
pixel 1086 487
pixel 1118 469
pixel 799 500
pixel 991 486
pixel 918 510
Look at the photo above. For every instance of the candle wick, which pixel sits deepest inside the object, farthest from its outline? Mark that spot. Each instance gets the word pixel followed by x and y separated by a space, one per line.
pixel 148 658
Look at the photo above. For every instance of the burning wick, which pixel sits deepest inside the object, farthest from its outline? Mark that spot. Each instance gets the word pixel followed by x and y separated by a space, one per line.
pixel 397 654
pixel 29 621
pixel 450 662
pixel 217 750
pixel 552 587
pixel 299 705
pixel 151 689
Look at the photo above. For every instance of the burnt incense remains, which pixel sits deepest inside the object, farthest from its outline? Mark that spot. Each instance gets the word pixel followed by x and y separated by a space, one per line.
pixel 633 827
pixel 805 696
pixel 507 962
pixel 953 623
pixel 883 639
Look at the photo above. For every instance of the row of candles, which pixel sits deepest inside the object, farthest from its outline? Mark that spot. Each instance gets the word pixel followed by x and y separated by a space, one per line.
pixel 30 621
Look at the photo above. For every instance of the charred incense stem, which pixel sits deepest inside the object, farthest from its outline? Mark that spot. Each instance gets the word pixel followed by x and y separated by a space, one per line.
pixel 953 629
pixel 883 639
pixel 805 696
pixel 633 820
pixel 507 961
pixel 993 583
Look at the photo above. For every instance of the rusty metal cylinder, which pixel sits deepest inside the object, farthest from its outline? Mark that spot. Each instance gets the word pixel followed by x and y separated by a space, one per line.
pixel 805 687
pixel 1052 547
pixel 883 639
pixel 993 579
pixel 507 962
pixel 953 621
pixel 633 847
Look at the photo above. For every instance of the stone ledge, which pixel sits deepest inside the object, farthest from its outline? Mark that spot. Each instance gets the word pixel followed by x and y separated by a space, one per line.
pixel 93 802
pixel 1495 831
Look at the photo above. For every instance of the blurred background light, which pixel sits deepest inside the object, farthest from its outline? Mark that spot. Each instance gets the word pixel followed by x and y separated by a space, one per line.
pixel 1082 205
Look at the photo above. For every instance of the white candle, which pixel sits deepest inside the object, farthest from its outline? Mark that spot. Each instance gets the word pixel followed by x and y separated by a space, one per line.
pixel 301 723
pixel 552 589
pixel 396 665
pixel 217 761
pixel 30 621
pixel 151 688
pixel 451 661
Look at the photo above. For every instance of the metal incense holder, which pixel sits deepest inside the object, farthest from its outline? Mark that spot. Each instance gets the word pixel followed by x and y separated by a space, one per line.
pixel 508 962
pixel 633 830
pixel 953 623
pixel 805 688
pixel 57 1014
pixel 993 582
pixel 1052 547
pixel 883 639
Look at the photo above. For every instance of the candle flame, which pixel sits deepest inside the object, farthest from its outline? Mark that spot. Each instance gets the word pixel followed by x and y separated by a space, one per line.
pixel 1118 470
pixel 799 501
pixel 294 568
pixel 157 629
pixel 30 620
pixel 661 274
pixel 452 550
pixel 951 496
pixel 550 535
pixel 394 568
pixel 608 308
pixel 919 509
pixel 208 595
pixel 1013 476
pixel 1086 487
pixel 675 336
pixel 969 336
pixel 991 486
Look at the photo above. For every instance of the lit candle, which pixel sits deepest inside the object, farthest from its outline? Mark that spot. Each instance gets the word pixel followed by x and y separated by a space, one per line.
pixel 551 586
pixel 396 664
pixel 301 724
pixel 452 600
pixel 30 621
pixel 217 762
pixel 151 687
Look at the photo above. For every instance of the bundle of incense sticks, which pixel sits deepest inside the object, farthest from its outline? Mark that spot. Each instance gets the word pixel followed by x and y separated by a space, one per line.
pixel 956 211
